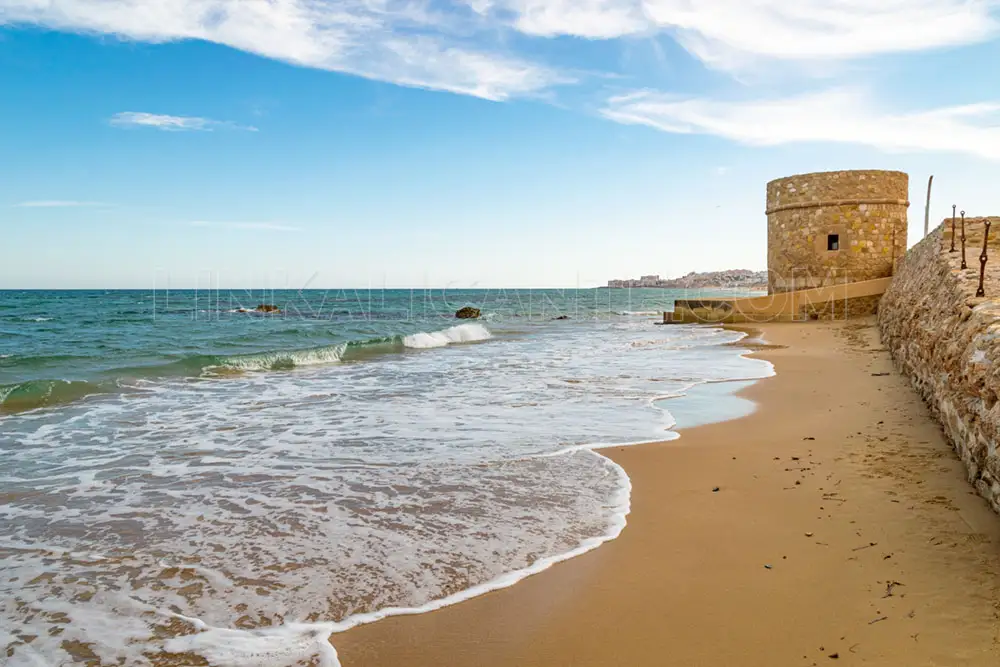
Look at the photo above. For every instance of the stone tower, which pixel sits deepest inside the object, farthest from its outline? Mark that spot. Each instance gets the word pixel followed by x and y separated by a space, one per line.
pixel 835 227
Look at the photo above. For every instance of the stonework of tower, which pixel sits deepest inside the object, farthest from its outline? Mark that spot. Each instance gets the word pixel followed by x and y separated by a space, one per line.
pixel 835 227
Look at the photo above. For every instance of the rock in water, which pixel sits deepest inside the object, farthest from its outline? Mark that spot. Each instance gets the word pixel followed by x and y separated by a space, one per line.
pixel 467 313
pixel 267 308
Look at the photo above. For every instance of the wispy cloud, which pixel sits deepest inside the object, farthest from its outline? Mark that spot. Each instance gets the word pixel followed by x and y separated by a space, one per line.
pixel 408 42
pixel 261 226
pixel 736 34
pixel 57 203
pixel 838 115
pixel 731 33
pixel 174 123
pixel 465 47
pixel 595 19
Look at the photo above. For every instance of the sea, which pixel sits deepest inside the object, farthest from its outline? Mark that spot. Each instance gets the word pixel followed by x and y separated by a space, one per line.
pixel 187 480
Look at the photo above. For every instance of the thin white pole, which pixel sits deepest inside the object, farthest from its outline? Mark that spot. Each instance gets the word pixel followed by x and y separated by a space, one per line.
pixel 927 209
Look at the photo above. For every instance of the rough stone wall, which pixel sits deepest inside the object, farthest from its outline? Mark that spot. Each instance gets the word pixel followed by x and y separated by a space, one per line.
pixel 866 209
pixel 692 312
pixel 947 341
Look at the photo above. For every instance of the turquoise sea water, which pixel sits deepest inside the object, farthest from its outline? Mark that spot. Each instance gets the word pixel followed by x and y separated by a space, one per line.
pixel 179 476
pixel 59 346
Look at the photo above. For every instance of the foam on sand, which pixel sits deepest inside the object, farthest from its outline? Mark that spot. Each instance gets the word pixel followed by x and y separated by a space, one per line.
pixel 290 644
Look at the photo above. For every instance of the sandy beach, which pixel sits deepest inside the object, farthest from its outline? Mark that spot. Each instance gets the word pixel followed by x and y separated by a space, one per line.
pixel 842 531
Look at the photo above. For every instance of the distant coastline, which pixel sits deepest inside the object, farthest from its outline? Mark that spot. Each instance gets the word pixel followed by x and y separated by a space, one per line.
pixel 728 279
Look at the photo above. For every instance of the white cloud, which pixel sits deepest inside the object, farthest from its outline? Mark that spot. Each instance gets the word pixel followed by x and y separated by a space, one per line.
pixel 407 42
pixel 56 203
pixel 174 123
pixel 735 34
pixel 599 19
pixel 593 19
pixel 424 62
pixel 261 226
pixel 460 46
pixel 721 171
pixel 725 33
pixel 839 115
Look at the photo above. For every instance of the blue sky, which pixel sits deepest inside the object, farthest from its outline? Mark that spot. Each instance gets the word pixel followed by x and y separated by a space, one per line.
pixel 342 143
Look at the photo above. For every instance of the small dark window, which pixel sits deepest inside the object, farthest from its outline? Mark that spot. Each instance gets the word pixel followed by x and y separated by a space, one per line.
pixel 833 242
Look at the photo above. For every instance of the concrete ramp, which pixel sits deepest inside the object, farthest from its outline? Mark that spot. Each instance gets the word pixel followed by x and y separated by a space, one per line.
pixel 833 301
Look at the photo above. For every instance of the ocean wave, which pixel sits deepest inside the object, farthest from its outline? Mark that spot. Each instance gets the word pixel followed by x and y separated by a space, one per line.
pixel 33 361
pixel 282 359
pixel 355 350
pixel 33 394
pixel 38 393
pixel 462 333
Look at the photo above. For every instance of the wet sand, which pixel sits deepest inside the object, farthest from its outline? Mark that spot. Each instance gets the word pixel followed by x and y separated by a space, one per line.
pixel 842 531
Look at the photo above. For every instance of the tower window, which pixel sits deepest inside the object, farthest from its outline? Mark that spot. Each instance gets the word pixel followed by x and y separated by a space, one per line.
pixel 833 242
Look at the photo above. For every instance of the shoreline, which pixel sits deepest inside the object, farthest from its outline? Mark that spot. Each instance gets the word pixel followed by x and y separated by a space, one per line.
pixel 579 589
pixel 209 638
pixel 183 636
pixel 509 579
pixel 753 342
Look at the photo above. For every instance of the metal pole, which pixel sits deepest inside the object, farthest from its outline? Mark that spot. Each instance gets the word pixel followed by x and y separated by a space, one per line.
pixel 953 207
pixel 964 265
pixel 927 209
pixel 982 260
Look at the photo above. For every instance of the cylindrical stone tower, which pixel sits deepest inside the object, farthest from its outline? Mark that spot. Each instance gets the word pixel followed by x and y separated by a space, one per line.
pixel 834 227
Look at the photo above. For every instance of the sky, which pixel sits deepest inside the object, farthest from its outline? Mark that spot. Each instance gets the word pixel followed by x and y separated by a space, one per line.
pixel 465 143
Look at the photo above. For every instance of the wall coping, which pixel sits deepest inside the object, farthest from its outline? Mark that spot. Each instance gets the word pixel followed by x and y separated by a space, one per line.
pixel 836 202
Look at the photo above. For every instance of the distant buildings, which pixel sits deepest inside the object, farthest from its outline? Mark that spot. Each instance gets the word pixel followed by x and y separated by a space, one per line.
pixel 645 281
pixel 729 279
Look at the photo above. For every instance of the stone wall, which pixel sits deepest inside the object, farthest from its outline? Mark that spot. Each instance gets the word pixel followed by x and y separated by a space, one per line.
pixel 947 341
pixel 865 209
pixel 829 302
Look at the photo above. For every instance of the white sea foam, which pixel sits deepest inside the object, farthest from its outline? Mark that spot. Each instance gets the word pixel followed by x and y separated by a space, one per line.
pixel 463 333
pixel 286 359
pixel 284 646
pixel 292 643
pixel 411 482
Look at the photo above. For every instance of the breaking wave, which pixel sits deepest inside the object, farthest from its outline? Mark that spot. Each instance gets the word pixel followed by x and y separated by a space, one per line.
pixel 33 394
pixel 463 333
pixel 22 396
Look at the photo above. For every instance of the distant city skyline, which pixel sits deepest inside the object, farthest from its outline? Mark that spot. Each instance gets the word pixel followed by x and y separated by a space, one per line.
pixel 736 278
pixel 481 143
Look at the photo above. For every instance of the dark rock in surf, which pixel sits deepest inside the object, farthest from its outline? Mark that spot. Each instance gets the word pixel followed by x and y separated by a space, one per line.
pixel 562 317
pixel 267 308
pixel 467 313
